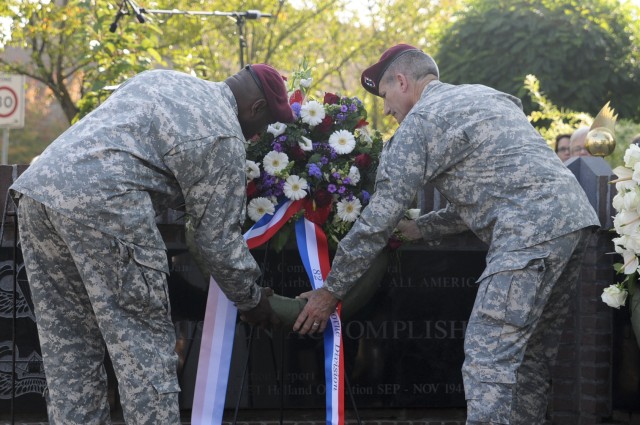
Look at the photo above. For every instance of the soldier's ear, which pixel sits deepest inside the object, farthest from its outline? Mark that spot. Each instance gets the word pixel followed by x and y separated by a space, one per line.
pixel 259 108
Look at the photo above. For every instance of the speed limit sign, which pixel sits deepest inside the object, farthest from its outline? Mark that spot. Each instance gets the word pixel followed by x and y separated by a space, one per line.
pixel 11 101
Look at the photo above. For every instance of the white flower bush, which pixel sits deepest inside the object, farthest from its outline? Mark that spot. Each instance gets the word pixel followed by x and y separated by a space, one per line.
pixel 626 223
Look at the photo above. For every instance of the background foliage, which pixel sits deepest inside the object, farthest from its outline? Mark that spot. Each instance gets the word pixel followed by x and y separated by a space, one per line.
pixel 583 53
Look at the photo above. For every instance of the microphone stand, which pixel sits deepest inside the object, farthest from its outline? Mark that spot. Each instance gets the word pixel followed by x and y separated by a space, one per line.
pixel 239 17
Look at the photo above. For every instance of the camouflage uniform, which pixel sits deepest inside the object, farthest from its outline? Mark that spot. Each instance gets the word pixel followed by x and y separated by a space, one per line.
pixel 502 182
pixel 95 259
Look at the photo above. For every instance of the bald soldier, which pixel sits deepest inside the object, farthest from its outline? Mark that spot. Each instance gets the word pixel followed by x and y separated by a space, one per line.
pixel 94 257
pixel 502 182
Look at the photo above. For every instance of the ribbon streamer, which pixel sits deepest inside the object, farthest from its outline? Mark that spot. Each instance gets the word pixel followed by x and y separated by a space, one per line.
pixel 220 318
pixel 314 252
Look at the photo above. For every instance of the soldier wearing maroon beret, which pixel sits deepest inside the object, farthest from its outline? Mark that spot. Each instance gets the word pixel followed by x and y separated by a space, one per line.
pixel 502 182
pixel 96 262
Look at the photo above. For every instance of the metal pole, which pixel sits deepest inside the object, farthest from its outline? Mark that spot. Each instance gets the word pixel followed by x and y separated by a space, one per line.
pixel 240 23
pixel 5 146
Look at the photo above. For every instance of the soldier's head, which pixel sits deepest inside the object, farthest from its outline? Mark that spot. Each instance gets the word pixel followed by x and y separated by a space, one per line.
pixel 261 96
pixel 399 78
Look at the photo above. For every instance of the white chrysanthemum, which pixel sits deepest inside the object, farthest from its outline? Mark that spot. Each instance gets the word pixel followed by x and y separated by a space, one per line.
pixel 354 175
pixel 259 207
pixel 295 187
pixel 349 210
pixel 632 156
pixel 252 169
pixel 305 144
pixel 275 162
pixel 342 141
pixel 276 129
pixel 306 82
pixel 312 113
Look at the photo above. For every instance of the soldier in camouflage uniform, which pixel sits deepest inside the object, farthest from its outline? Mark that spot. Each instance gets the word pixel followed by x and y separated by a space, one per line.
pixel 94 256
pixel 503 183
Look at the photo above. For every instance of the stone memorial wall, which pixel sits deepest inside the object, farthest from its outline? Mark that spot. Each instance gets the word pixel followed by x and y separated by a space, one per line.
pixel 403 349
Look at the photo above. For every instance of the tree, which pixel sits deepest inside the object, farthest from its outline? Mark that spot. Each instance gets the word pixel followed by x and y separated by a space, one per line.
pixel 583 51
pixel 70 48
pixel 72 51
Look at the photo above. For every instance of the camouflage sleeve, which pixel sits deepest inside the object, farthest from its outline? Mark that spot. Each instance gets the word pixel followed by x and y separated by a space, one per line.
pixel 400 175
pixel 436 224
pixel 211 175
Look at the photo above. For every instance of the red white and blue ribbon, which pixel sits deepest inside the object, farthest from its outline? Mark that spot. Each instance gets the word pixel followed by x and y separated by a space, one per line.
pixel 220 318
pixel 216 345
pixel 314 252
pixel 269 224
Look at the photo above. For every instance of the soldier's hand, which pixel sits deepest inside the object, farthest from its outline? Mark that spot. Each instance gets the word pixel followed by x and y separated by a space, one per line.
pixel 409 230
pixel 315 315
pixel 261 315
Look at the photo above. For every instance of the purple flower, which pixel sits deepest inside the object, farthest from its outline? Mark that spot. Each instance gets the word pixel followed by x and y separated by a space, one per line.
pixel 324 160
pixel 276 146
pixel 331 188
pixel 296 107
pixel 282 138
pixel 353 107
pixel 344 108
pixel 335 175
pixel 315 171
pixel 365 197
pixel 346 180
pixel 342 189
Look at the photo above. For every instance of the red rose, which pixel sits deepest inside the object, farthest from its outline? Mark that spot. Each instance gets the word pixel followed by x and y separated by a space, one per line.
pixel 322 197
pixel 362 123
pixel 394 243
pixel 331 99
pixel 297 96
pixel 315 213
pixel 251 189
pixel 362 161
pixel 297 152
pixel 326 124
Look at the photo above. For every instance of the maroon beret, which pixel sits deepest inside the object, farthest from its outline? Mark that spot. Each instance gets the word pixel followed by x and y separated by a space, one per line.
pixel 275 92
pixel 370 78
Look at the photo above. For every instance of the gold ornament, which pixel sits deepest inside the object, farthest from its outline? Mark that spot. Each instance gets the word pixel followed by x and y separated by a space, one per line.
pixel 601 140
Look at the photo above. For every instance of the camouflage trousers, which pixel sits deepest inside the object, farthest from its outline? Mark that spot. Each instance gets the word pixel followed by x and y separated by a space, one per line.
pixel 514 331
pixel 90 290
